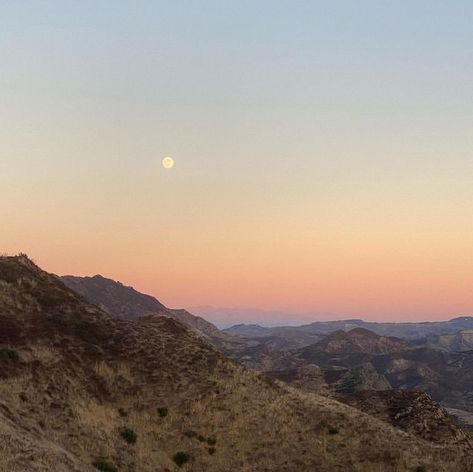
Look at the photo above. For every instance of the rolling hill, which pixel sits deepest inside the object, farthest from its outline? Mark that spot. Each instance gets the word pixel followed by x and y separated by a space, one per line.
pixel 127 303
pixel 82 390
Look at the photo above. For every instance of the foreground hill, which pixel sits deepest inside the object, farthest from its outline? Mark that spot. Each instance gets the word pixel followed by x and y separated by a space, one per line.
pixel 126 302
pixel 79 386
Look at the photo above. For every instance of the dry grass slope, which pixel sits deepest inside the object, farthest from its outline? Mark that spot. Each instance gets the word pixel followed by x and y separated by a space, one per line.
pixel 79 377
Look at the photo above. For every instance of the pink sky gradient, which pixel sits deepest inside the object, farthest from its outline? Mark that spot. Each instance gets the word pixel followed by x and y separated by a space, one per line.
pixel 323 155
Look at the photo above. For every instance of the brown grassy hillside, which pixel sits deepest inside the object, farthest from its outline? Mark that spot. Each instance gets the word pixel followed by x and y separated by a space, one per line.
pixel 78 386
pixel 126 302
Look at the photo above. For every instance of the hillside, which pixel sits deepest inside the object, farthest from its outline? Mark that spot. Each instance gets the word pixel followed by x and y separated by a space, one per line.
pixel 446 376
pixel 413 412
pixel 459 341
pixel 358 340
pixel 81 386
pixel 113 296
pixel 126 302
pixel 333 381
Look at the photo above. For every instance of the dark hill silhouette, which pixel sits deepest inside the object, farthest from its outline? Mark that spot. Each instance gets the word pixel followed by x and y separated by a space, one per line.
pixel 126 302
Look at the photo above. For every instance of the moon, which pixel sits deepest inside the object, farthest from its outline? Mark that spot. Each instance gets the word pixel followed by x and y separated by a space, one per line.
pixel 168 162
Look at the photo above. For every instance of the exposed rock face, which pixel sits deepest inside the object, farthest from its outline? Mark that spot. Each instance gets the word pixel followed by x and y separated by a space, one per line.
pixel 446 376
pixel 75 380
pixel 413 412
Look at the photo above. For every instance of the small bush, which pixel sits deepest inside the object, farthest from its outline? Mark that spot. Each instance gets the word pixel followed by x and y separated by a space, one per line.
pixel 163 411
pixel 212 441
pixel 196 357
pixel 190 434
pixel 9 272
pixel 104 466
pixel 201 438
pixel 332 431
pixel 347 387
pixel 49 299
pixel 421 468
pixel 9 354
pixel 212 451
pixel 129 435
pixel 180 458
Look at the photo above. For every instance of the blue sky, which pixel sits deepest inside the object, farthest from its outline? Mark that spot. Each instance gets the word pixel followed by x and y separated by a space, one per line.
pixel 327 142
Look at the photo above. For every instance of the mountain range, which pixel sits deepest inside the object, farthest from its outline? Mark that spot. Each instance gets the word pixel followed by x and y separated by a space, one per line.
pixel 412 330
pixel 354 358
pixel 127 303
pixel 104 386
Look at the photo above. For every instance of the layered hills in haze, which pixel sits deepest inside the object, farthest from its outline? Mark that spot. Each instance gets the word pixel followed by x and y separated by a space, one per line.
pixel 349 357
pixel 410 330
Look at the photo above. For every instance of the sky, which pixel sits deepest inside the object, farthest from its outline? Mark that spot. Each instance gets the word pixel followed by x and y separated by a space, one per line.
pixel 323 152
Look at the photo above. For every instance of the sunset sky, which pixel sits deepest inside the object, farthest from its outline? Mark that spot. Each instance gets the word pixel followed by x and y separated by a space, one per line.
pixel 323 152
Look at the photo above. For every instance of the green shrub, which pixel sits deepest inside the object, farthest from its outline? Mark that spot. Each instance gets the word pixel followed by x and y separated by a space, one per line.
pixel 180 458
pixel 201 438
pixel 163 411
pixel 212 441
pixel 9 272
pixel 49 299
pixel 212 451
pixel 421 468
pixel 347 387
pixel 332 431
pixel 190 434
pixel 129 435
pixel 104 466
pixel 93 350
pixel 9 354
pixel 196 357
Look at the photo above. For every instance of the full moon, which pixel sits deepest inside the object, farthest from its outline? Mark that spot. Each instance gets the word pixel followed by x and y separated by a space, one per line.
pixel 168 162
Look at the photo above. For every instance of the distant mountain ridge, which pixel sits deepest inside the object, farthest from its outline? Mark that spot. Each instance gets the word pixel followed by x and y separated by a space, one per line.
pixel 81 388
pixel 406 330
